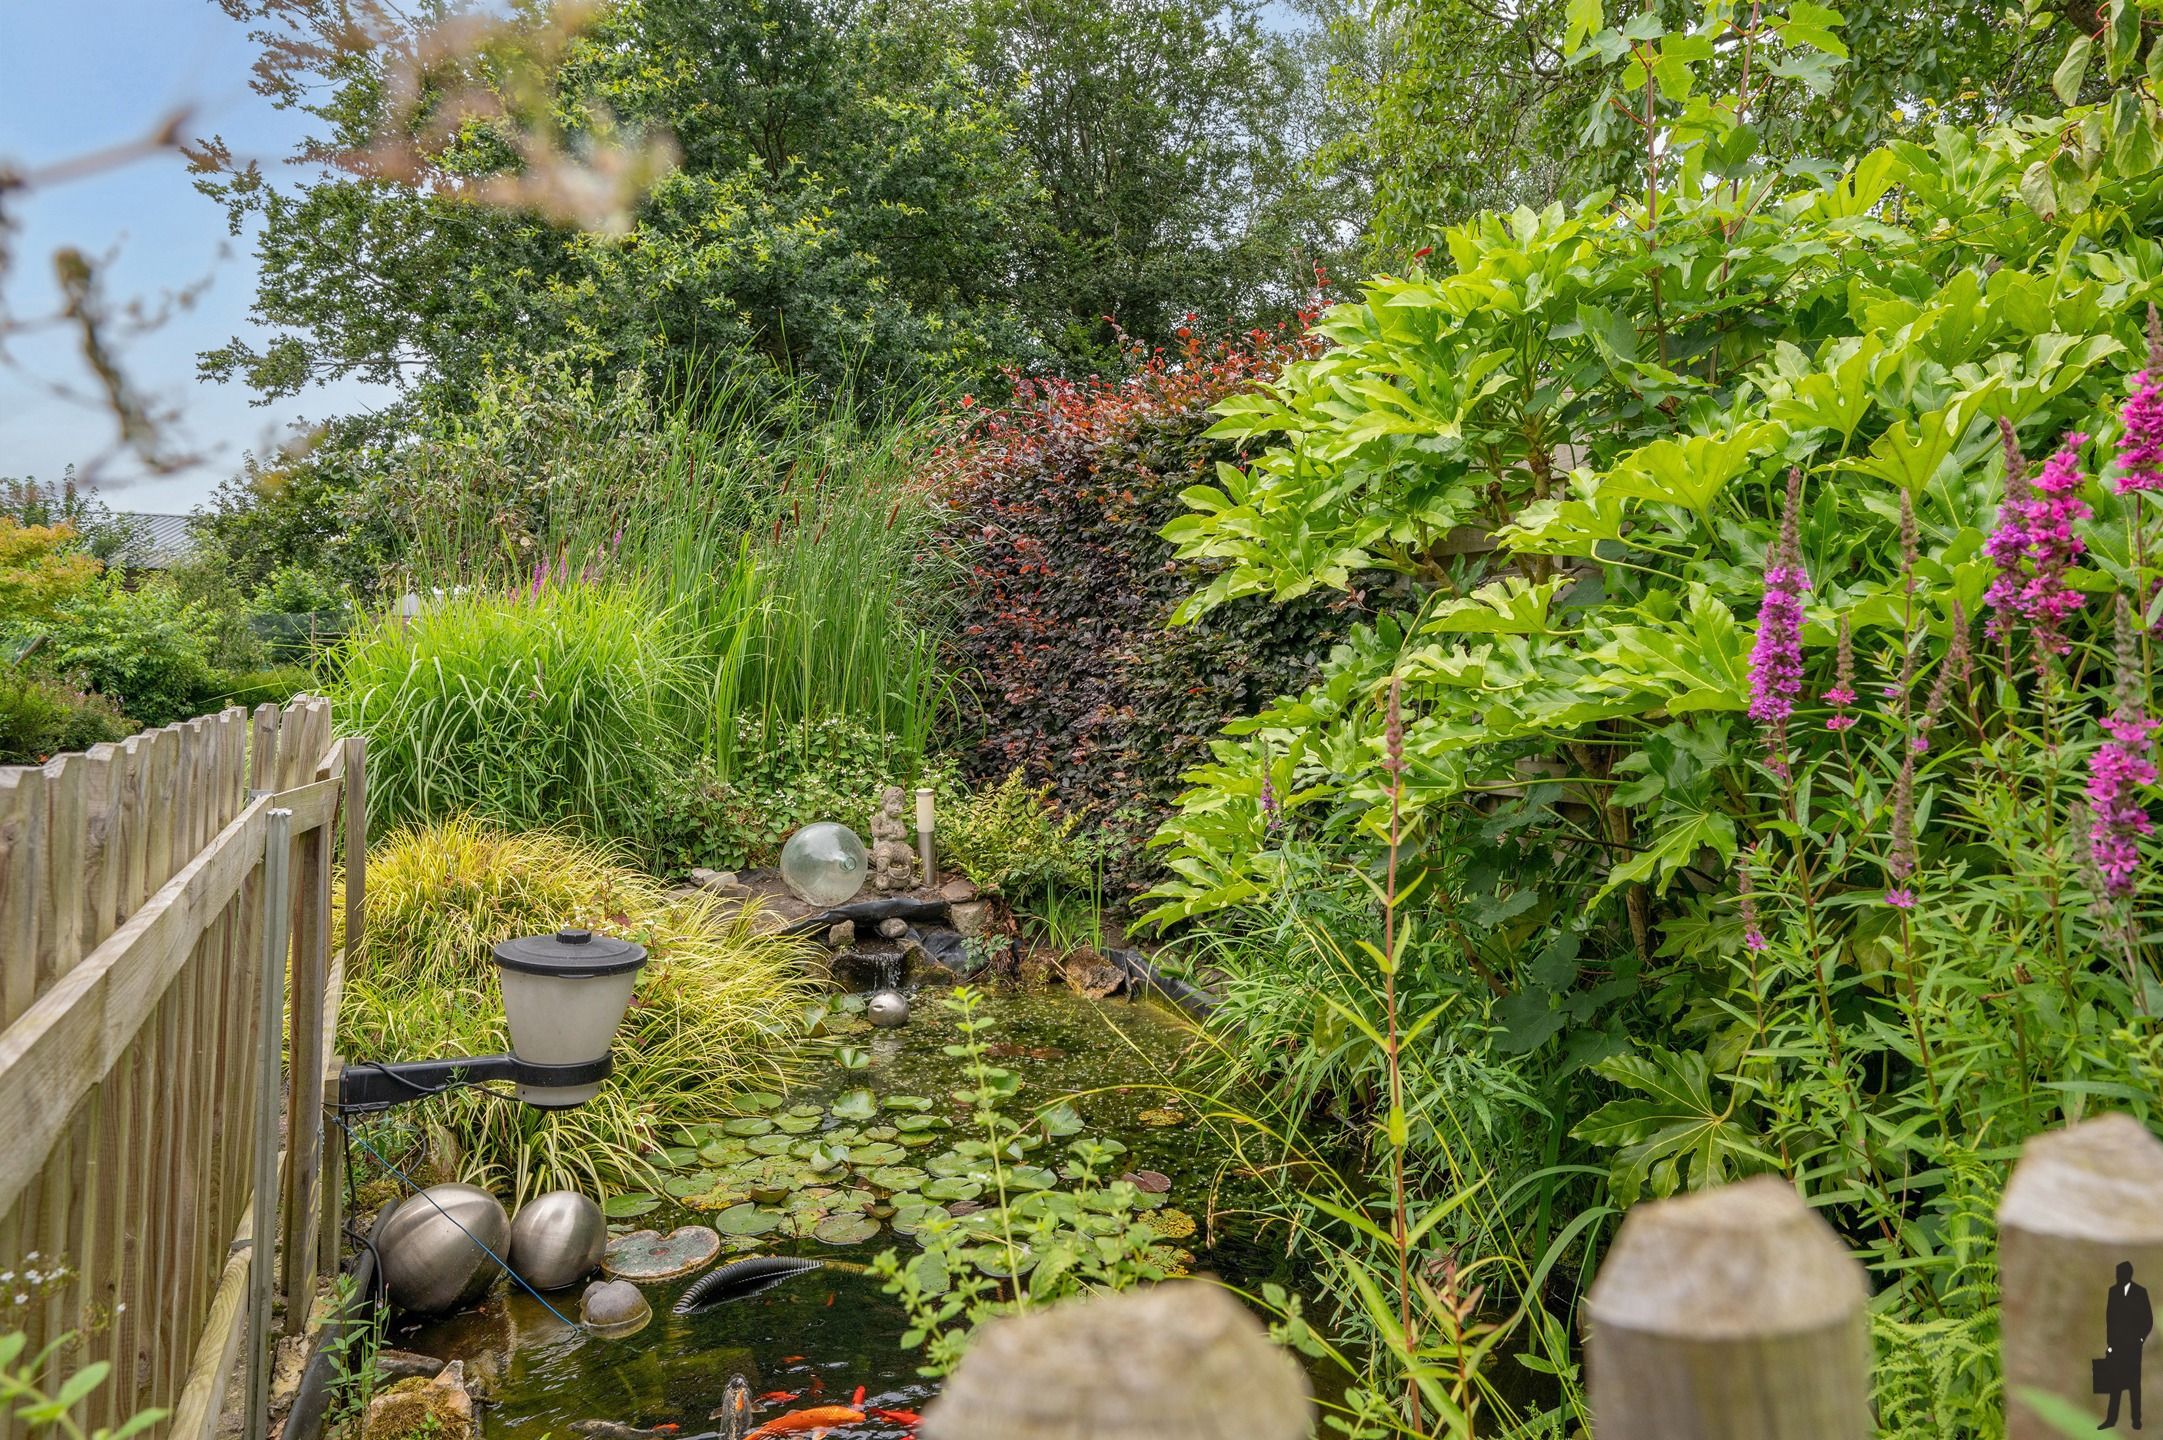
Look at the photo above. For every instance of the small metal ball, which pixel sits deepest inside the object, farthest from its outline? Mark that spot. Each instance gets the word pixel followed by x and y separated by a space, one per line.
pixel 612 1309
pixel 889 1009
pixel 557 1239
pixel 430 1261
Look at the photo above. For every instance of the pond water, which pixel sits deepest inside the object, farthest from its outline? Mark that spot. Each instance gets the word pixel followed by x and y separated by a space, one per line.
pixel 820 1335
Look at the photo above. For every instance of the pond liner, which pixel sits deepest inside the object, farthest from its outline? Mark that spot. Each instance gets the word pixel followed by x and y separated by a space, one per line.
pixel 1141 974
pixel 311 1397
pixel 871 912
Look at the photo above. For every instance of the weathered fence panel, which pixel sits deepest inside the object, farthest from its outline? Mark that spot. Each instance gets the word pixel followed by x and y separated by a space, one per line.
pixel 131 967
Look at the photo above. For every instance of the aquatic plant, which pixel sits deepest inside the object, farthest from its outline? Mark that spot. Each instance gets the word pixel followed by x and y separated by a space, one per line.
pixel 714 1009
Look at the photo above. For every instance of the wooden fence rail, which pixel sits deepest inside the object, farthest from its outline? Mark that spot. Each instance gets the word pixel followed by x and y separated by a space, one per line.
pixel 132 966
pixel 1732 1314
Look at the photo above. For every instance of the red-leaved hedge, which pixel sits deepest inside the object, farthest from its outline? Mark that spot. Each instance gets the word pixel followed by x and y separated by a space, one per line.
pixel 1069 665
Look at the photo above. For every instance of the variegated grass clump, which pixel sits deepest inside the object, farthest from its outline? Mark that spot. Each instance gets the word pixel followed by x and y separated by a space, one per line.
pixel 716 1007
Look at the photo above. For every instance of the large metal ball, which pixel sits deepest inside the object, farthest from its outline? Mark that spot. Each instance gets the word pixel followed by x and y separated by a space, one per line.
pixel 430 1263
pixel 613 1309
pixel 889 1009
pixel 557 1239
pixel 824 863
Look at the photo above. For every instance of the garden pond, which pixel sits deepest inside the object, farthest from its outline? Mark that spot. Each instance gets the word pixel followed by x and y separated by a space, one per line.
pixel 842 1168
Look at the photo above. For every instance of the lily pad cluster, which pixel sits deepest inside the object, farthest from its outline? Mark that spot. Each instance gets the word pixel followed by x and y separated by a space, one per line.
pixel 863 1164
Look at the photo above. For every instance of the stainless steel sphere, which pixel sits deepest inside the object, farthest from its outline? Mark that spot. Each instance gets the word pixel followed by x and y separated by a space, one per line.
pixel 557 1239
pixel 889 1009
pixel 430 1265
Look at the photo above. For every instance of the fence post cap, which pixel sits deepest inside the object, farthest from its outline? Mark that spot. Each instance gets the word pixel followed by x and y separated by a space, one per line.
pixel 1182 1358
pixel 1747 1260
pixel 2099 1180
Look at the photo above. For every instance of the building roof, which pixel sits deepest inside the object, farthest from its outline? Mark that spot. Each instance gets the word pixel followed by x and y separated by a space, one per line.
pixel 157 542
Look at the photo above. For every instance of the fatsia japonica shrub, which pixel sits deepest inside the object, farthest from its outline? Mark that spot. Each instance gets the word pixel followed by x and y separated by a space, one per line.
pixel 1809 680
pixel 1069 671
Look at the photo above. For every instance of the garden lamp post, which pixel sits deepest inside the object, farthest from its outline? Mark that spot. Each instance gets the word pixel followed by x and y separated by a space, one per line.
pixel 563 997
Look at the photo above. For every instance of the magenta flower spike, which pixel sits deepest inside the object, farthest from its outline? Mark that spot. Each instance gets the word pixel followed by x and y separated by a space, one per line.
pixel 2140 448
pixel 1776 663
pixel 2119 770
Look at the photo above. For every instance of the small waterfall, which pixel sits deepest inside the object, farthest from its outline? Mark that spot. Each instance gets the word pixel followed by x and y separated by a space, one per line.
pixel 890 968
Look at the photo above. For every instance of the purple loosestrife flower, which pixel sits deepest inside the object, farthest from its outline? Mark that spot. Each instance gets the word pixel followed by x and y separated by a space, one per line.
pixel 1752 937
pixel 1842 695
pixel 2118 770
pixel 1900 856
pixel 1272 811
pixel 1776 664
pixel 2140 449
pixel 2034 546
pixel 1953 667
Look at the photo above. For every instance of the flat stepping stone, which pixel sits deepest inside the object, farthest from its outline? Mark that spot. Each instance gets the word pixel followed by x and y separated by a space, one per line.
pixel 649 1255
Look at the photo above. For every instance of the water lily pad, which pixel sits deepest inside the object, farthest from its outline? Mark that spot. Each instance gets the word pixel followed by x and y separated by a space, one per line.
pixel 876 1153
pixel 746 1220
pixel 922 1140
pixel 849 1057
pixel 769 1144
pixel 805 1112
pixel 723 1152
pixel 650 1255
pixel 880 1132
pixel 795 1124
pixel 768 1193
pixel 911 1216
pixel 1162 1119
pixel 1061 1120
pixel 952 1187
pixel 849 1229
pixel 855 1104
pixel 1171 1224
pixel 1031 1177
pixel 898 1177
pixel 850 1004
pixel 907 1102
pixel 629 1205
pixel 919 1124
pixel 677 1157
pixel 749 1125
pixel 1153 1182
pixel 929 1271
pixel 950 1162
pixel 753 1102
pixel 698 1182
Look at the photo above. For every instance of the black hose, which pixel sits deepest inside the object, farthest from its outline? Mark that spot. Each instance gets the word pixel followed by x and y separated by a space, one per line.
pixel 1195 1001
pixel 311 1398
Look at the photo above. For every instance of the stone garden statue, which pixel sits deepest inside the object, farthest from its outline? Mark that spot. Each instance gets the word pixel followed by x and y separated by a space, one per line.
pixel 893 861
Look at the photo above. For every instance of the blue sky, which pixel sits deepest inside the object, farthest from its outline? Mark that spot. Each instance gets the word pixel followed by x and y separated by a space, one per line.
pixel 76 75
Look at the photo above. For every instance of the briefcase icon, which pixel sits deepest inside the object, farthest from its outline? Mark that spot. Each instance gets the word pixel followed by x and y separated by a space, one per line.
pixel 2110 1374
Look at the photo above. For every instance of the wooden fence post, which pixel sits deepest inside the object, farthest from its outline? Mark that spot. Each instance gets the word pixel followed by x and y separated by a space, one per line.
pixel 2081 1202
pixel 262 1276
pixel 1732 1314
pixel 1181 1359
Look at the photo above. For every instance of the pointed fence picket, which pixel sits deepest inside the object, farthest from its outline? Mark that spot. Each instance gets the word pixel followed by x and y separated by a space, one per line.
pixel 132 935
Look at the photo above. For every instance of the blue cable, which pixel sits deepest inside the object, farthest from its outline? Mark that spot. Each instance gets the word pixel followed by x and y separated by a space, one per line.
pixel 421 1191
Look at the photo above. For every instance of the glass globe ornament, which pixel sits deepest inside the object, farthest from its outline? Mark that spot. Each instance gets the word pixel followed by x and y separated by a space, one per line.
pixel 824 864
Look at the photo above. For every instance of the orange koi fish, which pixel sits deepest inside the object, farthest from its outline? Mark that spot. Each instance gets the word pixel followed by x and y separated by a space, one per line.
pixel 817 1418
pixel 780 1397
pixel 895 1417
pixel 858 1398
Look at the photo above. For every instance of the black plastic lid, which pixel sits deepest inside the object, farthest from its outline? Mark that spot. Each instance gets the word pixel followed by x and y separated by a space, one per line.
pixel 570 954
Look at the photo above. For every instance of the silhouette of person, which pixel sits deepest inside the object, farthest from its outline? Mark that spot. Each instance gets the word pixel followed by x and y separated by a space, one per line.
pixel 2127 1319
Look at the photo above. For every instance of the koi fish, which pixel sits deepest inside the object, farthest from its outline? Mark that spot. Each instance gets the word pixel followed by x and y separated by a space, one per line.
pixel 818 1417
pixel 857 1399
pixel 895 1417
pixel 780 1397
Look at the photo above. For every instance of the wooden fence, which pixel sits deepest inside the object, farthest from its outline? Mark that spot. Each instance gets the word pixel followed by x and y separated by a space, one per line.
pixel 139 1010
pixel 1732 1314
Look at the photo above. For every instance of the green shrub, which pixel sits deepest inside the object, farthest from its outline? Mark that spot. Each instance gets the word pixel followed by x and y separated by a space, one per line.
pixel 40 718
pixel 145 650
pixel 548 705
pixel 830 769
pixel 1068 664
pixel 714 1008
pixel 1011 841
